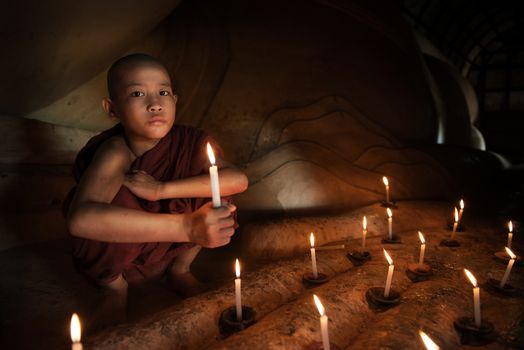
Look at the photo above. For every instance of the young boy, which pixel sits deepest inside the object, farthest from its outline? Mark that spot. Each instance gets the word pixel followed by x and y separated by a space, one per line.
pixel 141 205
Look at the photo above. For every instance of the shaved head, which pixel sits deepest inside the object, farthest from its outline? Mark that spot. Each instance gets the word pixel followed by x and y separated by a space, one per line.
pixel 126 63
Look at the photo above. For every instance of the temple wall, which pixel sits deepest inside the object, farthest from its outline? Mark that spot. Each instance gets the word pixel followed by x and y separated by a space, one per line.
pixel 315 100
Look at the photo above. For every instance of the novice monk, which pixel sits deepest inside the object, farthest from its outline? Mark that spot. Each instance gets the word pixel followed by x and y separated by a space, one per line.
pixel 142 206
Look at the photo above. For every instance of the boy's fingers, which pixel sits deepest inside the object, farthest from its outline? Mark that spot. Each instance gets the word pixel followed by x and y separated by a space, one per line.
pixel 224 223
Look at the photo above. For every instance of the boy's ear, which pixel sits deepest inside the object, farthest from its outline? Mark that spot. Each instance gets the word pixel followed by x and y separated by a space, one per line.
pixel 108 107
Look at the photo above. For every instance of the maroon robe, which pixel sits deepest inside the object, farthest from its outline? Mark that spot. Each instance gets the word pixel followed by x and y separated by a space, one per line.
pixel 180 154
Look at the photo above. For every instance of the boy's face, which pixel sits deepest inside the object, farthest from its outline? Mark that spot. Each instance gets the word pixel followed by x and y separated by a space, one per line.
pixel 144 102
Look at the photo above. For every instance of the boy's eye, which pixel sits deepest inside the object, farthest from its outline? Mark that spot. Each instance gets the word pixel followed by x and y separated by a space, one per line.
pixel 164 93
pixel 137 94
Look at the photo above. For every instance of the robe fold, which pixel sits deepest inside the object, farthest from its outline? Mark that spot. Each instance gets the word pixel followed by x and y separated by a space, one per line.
pixel 180 154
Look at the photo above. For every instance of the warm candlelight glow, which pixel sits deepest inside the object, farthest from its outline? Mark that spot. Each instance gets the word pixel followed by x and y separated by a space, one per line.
pixel 421 237
pixel 510 253
pixel 390 261
pixel 237 268
pixel 319 305
pixel 312 240
pixel 456 215
pixel 390 213
pixel 471 278
pixel 430 344
pixel 210 154
pixel 385 181
pixel 510 227
pixel 364 223
pixel 461 204
pixel 76 329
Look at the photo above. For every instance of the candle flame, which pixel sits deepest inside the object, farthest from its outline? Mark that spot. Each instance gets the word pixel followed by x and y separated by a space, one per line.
pixel 364 223
pixel 471 278
pixel 510 226
pixel 76 329
pixel 210 154
pixel 461 204
pixel 237 268
pixel 510 253
pixel 390 214
pixel 430 344
pixel 421 237
pixel 390 261
pixel 456 215
pixel 319 305
pixel 312 240
pixel 385 181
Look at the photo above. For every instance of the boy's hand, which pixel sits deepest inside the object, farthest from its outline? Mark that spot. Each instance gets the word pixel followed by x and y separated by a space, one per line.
pixel 143 185
pixel 212 227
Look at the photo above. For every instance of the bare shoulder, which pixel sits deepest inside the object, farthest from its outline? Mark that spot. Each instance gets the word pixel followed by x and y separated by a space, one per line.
pixel 105 174
pixel 113 156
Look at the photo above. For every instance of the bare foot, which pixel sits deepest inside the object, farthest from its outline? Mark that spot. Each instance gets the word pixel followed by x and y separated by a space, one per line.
pixel 185 284
pixel 111 309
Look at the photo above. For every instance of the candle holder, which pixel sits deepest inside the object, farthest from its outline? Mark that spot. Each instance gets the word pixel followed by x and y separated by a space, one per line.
pixel 317 345
pixel 418 272
pixel 394 239
pixel 493 285
pixel 470 334
pixel 228 323
pixel 450 242
pixel 377 300
pixel 503 257
pixel 359 258
pixel 310 280
pixel 391 205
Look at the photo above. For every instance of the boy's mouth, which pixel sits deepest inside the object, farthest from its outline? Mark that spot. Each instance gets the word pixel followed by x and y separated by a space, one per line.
pixel 156 121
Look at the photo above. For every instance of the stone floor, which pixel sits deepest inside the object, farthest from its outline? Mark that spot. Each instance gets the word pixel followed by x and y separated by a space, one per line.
pixel 41 289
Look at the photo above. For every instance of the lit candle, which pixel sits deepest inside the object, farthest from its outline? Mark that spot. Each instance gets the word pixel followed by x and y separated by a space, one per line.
pixel 455 224
pixel 428 342
pixel 76 333
pixel 390 273
pixel 313 255
pixel 390 224
pixel 508 269
pixel 386 183
pixel 364 232
pixel 422 248
pixel 238 301
pixel 510 234
pixel 213 175
pixel 476 296
pixel 323 323
pixel 461 204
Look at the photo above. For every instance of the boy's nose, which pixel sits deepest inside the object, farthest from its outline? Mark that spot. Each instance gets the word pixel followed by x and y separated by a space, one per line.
pixel 154 107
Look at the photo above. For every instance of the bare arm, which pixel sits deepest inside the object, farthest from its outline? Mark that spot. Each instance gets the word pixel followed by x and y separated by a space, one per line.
pixel 92 216
pixel 232 181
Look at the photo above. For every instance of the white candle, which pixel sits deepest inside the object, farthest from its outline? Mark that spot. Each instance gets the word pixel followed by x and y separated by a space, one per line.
pixel 428 342
pixel 461 204
pixel 476 296
pixel 213 175
pixel 390 274
pixel 364 232
pixel 386 183
pixel 313 255
pixel 238 301
pixel 455 224
pixel 390 223
pixel 76 333
pixel 508 268
pixel 422 248
pixel 510 234
pixel 323 323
